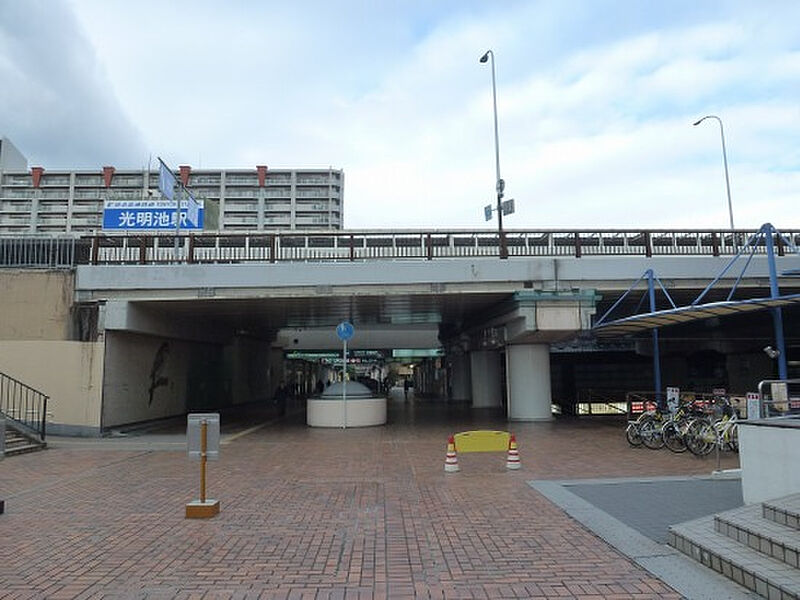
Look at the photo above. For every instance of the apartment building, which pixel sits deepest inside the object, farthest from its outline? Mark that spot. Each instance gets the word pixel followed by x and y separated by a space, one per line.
pixel 37 200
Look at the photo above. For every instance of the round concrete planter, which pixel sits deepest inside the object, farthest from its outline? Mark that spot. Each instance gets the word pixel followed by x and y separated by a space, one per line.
pixel 360 409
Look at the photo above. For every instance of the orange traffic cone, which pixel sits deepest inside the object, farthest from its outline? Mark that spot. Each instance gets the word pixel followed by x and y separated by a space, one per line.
pixel 513 462
pixel 451 460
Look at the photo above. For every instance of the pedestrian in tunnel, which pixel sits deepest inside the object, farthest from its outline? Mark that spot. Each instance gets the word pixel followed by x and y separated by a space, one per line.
pixel 406 386
pixel 280 398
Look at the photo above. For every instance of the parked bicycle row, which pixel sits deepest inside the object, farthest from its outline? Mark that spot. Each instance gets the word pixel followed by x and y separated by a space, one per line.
pixel 697 426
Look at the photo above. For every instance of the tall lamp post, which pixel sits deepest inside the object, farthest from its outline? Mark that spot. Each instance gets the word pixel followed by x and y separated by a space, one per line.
pixel 725 162
pixel 500 183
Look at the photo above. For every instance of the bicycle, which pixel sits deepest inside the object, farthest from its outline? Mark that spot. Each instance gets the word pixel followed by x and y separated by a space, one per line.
pixel 646 429
pixel 674 429
pixel 703 435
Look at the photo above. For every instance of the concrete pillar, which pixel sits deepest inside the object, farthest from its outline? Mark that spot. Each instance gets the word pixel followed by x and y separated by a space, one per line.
pixel 460 378
pixel 528 382
pixel 487 388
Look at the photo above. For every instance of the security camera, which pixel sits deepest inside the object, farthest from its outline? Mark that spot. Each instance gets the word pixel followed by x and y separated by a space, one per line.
pixel 771 352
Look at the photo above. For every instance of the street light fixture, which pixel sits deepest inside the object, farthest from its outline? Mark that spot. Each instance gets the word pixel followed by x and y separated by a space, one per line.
pixel 724 160
pixel 500 183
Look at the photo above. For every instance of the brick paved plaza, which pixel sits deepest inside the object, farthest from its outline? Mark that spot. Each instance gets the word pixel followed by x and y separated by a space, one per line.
pixel 310 513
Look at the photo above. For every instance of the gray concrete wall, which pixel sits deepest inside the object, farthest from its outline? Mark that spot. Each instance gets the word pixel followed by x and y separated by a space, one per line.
pixel 149 377
pixel 543 273
pixel 769 457
pixel 252 370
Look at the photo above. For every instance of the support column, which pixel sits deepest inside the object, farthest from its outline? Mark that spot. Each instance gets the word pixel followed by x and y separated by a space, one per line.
pixel 528 382
pixel 487 387
pixel 460 378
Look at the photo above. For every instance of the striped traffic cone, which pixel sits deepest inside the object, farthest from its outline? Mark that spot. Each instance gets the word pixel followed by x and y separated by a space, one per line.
pixel 513 462
pixel 451 460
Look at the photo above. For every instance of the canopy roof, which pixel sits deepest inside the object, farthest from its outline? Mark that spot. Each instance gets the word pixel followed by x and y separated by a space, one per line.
pixel 687 314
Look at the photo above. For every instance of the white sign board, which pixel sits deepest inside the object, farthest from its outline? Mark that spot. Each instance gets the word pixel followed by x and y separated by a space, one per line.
pixel 753 405
pixel 780 396
pixel 193 435
pixel 673 398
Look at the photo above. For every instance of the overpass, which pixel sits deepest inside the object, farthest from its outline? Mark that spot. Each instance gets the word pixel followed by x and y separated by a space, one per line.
pixel 212 314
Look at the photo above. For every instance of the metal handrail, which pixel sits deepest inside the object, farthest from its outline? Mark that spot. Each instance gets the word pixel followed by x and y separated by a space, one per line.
pixel 793 404
pixel 44 252
pixel 37 250
pixel 24 405
pixel 364 245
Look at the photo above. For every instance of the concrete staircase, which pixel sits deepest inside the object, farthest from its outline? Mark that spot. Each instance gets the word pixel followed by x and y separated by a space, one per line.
pixel 757 546
pixel 20 443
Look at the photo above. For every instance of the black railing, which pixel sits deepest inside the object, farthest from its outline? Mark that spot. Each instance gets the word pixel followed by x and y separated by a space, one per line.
pixel 23 405
pixel 44 252
pixel 363 245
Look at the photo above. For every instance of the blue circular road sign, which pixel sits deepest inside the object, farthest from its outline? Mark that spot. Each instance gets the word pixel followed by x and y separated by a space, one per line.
pixel 345 331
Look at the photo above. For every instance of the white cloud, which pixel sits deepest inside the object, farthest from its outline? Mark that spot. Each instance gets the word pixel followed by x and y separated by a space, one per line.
pixel 55 100
pixel 595 104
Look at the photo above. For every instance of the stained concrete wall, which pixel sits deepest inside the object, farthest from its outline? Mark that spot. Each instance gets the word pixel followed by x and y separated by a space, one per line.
pixel 35 348
pixel 150 377
pixel 36 305
pixel 71 373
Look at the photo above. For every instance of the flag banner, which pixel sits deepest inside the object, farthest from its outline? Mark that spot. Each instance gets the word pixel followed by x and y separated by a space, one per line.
pixel 149 215
pixel 166 181
pixel 192 210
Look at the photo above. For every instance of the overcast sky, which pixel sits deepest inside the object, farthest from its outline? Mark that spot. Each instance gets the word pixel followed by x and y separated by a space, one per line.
pixel 596 101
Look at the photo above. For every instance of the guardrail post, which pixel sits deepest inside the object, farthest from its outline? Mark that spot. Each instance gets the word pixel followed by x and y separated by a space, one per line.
pixel 577 245
pixel 272 248
pixel 44 417
pixel 429 243
pixel 648 246
pixel 352 248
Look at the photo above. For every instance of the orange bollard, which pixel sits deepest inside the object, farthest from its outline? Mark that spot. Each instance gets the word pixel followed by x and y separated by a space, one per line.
pixel 513 461
pixel 451 460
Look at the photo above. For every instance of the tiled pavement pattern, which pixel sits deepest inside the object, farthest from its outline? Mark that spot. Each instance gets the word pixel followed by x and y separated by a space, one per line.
pixel 307 513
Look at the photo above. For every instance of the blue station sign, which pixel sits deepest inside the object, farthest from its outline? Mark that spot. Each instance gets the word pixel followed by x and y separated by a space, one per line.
pixel 149 215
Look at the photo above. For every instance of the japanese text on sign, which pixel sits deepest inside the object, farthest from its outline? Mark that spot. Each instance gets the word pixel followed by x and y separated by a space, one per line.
pixel 147 214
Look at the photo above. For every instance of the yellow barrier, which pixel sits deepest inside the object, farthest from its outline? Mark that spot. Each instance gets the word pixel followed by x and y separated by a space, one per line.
pixel 482 441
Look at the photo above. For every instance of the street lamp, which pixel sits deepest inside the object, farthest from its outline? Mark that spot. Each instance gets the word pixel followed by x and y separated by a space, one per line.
pixel 725 162
pixel 500 183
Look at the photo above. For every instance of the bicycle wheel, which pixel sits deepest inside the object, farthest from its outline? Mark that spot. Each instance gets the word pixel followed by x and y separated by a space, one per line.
pixel 672 436
pixel 632 434
pixel 701 437
pixel 732 438
pixel 650 432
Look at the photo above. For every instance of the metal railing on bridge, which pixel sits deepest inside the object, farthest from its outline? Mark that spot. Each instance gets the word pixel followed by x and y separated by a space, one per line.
pixel 46 252
pixel 364 245
pixel 421 245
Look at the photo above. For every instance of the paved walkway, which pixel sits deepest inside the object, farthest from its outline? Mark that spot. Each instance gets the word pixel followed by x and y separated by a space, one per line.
pixel 310 513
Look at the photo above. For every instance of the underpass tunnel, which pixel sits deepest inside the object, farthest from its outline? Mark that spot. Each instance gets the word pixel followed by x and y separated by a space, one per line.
pixel 516 356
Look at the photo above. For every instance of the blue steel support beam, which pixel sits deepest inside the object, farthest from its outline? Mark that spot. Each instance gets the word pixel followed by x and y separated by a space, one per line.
pixel 777 315
pixel 651 290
